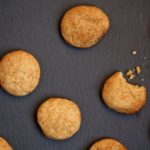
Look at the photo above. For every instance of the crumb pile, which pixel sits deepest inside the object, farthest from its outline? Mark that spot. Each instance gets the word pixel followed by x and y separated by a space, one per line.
pixel 132 73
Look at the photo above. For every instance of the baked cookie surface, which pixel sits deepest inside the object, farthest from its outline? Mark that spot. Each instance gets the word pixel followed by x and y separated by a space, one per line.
pixel 59 118
pixel 108 144
pixel 122 96
pixel 19 73
pixel 83 26
pixel 4 145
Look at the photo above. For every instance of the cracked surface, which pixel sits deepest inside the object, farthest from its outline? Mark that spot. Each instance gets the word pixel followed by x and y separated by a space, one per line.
pixel 122 96
pixel 108 144
pixel 19 73
pixel 4 145
pixel 59 118
pixel 84 26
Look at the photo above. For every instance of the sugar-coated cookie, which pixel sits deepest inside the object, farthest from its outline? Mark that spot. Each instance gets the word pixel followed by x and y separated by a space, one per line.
pixel 121 96
pixel 59 118
pixel 19 73
pixel 108 144
pixel 83 26
pixel 4 145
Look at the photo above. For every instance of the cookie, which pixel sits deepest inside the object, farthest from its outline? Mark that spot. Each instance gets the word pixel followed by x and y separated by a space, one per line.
pixel 83 26
pixel 123 97
pixel 19 73
pixel 4 145
pixel 59 118
pixel 108 144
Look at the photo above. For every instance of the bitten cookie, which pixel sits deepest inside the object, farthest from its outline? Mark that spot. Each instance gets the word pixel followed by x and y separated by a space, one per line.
pixel 83 26
pixel 19 73
pixel 4 145
pixel 59 118
pixel 122 96
pixel 108 144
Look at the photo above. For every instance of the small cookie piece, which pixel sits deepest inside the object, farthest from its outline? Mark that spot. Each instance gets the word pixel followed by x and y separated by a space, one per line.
pixel 83 26
pixel 108 144
pixel 138 69
pixel 132 76
pixel 4 145
pixel 122 96
pixel 59 118
pixel 19 73
pixel 129 73
pixel 134 52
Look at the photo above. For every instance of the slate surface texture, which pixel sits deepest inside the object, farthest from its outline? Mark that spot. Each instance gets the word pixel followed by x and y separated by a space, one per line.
pixel 76 74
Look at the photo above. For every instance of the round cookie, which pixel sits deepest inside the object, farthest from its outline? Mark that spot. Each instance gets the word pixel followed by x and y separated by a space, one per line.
pixel 83 26
pixel 59 118
pixel 122 96
pixel 4 145
pixel 108 144
pixel 19 73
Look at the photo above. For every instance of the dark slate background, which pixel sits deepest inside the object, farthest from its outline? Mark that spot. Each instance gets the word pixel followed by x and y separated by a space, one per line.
pixel 75 73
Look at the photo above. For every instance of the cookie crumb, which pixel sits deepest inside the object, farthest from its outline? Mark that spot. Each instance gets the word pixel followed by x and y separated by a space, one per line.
pixel 138 69
pixel 142 79
pixel 129 73
pixel 134 52
pixel 132 76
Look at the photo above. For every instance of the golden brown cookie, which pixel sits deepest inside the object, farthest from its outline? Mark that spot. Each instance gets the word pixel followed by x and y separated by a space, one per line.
pixel 59 118
pixel 19 73
pixel 83 26
pixel 122 96
pixel 108 144
pixel 4 145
